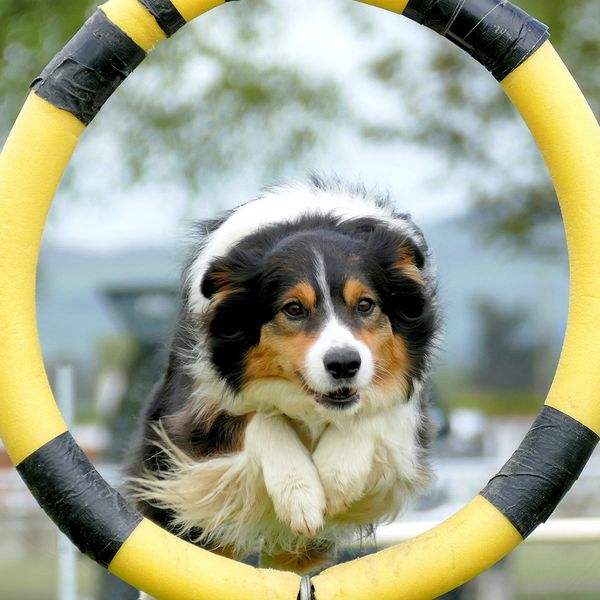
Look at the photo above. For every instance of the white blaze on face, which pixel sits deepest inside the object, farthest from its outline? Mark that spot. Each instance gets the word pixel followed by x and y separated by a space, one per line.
pixel 323 284
pixel 336 336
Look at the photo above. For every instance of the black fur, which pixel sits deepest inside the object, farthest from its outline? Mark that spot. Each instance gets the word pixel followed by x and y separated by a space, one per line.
pixel 263 266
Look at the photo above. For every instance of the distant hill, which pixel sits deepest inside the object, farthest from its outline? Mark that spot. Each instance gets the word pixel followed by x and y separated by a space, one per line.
pixel 469 269
pixel 73 312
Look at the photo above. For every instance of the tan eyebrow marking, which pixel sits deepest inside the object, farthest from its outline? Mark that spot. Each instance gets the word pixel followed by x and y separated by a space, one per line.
pixel 354 290
pixel 305 293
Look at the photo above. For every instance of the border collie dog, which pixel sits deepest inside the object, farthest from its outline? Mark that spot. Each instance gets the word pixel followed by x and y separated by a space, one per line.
pixel 292 415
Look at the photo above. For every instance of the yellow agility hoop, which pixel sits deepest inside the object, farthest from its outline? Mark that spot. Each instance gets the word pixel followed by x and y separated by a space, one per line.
pixel 65 98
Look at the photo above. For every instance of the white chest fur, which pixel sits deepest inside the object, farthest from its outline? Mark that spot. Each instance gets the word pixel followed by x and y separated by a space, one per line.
pixel 277 493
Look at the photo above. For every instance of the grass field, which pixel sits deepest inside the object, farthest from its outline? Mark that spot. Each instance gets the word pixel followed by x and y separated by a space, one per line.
pixel 552 572
pixel 557 572
pixel 36 579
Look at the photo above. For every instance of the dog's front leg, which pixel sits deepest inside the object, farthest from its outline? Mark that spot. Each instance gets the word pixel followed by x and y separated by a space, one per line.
pixel 344 459
pixel 290 477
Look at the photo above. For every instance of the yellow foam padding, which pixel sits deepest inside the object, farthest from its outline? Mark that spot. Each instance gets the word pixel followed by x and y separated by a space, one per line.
pixel 31 164
pixel 190 9
pixel 396 6
pixel 169 568
pixel 568 136
pixel 131 17
pixel 429 565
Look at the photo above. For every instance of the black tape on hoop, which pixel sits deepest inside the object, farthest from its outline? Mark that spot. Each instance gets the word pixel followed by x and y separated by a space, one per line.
pixel 542 470
pixel 169 19
pixel 67 486
pixel 84 74
pixel 498 34
pixel 167 16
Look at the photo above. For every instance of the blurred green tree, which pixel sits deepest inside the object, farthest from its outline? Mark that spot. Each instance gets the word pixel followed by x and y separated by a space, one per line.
pixel 201 106
pixel 466 118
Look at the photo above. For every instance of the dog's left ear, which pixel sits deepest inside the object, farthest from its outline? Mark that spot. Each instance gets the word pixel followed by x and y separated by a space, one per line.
pixel 410 254
pixel 407 296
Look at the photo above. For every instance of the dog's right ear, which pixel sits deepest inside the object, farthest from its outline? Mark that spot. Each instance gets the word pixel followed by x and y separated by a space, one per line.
pixel 228 275
pixel 230 285
pixel 217 279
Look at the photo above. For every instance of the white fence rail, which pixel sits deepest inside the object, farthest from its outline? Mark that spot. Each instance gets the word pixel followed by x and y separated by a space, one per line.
pixel 555 531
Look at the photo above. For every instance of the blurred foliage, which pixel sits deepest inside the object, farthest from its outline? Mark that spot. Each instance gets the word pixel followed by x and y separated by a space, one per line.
pixel 469 122
pixel 205 104
pixel 494 403
pixel 253 112
pixel 116 351
pixel 30 33
pixel 254 108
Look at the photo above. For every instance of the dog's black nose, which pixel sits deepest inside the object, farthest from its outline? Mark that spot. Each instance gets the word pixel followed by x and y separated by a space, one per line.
pixel 342 363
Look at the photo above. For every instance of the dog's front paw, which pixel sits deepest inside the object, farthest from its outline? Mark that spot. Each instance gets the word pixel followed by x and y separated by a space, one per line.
pixel 300 505
pixel 344 462
pixel 341 490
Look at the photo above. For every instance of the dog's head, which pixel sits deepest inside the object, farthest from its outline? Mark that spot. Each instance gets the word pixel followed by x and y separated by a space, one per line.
pixel 321 313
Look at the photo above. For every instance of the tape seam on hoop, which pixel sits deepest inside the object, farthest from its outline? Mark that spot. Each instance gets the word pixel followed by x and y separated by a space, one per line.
pixel 496 33
pixel 169 19
pixel 66 485
pixel 84 74
pixel 542 469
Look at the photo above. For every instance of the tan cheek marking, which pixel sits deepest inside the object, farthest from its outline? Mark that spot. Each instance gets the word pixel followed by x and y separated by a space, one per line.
pixel 394 355
pixel 280 353
pixel 304 293
pixel 392 361
pixel 354 290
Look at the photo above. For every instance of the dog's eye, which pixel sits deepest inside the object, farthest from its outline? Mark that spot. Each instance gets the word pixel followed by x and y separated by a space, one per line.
pixel 294 310
pixel 365 306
